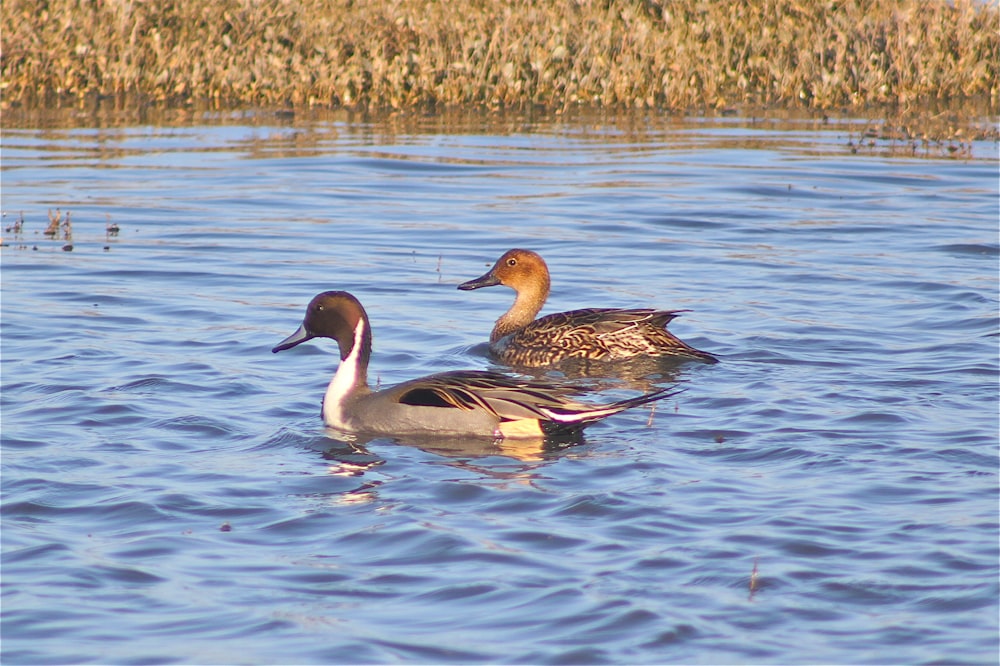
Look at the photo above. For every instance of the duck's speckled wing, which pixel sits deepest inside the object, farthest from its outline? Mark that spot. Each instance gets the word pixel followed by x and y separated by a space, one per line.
pixel 605 322
pixel 597 333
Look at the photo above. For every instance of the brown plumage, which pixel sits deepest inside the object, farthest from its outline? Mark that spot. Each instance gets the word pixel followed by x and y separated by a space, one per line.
pixel 606 334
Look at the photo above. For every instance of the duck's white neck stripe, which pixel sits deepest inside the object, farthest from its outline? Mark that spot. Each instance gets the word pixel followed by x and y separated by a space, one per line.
pixel 344 382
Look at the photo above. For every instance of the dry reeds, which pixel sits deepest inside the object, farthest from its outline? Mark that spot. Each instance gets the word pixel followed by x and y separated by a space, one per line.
pixel 403 53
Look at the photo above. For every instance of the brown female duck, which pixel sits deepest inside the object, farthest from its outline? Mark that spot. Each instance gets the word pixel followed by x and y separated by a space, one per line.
pixel 601 334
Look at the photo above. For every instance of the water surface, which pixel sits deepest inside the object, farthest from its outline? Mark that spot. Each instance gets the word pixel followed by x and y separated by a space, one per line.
pixel 825 494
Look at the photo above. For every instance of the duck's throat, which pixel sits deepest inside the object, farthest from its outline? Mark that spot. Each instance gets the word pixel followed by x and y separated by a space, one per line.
pixel 351 377
pixel 521 313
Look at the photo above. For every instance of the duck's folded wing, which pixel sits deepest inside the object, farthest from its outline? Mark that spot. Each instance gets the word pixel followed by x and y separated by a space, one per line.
pixel 607 333
pixel 506 398
pixel 602 321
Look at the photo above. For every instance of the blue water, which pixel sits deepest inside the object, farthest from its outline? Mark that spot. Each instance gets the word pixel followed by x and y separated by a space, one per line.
pixel 825 494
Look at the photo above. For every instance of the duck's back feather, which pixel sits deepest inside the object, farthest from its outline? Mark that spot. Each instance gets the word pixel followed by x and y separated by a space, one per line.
pixel 595 334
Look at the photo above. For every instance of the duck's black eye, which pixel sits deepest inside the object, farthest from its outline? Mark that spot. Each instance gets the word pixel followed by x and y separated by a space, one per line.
pixel 512 262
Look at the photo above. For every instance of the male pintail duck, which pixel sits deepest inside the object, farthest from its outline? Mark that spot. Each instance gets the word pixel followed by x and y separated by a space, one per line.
pixel 601 334
pixel 468 402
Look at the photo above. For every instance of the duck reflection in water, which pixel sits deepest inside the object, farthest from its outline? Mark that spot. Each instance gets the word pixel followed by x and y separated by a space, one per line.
pixel 351 451
pixel 502 465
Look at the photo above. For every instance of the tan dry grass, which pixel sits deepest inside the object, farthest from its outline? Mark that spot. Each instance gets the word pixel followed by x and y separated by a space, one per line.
pixel 404 53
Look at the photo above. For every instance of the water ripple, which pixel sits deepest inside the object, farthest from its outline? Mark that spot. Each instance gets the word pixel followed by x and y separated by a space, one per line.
pixel 827 492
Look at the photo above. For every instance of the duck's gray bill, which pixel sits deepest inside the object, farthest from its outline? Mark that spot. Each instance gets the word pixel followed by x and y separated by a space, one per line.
pixel 487 280
pixel 295 338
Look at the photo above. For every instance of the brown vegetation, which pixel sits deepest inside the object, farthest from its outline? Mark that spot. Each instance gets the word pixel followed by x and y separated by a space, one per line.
pixel 405 53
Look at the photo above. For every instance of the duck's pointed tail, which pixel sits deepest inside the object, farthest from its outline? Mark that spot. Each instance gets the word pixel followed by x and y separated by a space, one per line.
pixel 573 418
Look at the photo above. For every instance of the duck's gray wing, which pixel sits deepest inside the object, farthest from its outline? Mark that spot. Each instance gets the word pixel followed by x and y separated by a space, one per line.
pixel 504 397
pixel 510 399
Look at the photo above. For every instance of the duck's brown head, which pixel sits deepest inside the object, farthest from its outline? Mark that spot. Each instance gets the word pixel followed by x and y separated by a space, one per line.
pixel 337 315
pixel 523 271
